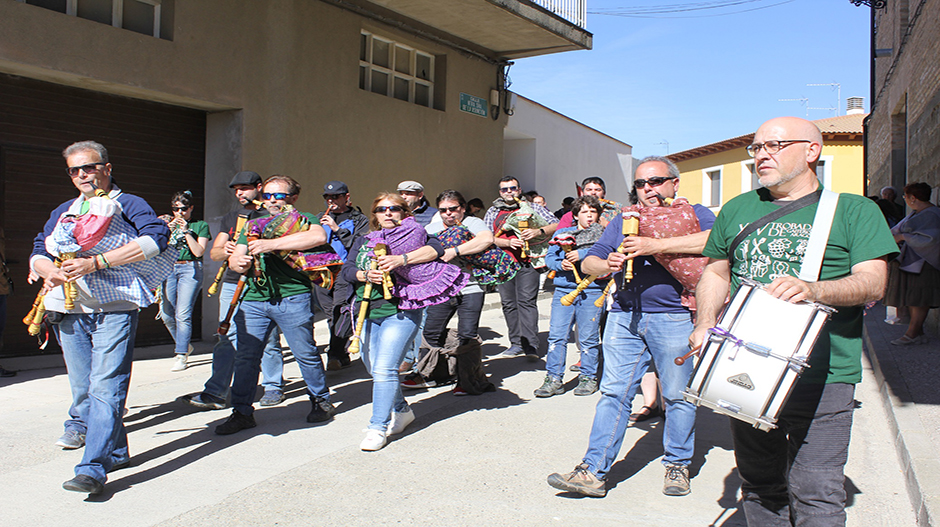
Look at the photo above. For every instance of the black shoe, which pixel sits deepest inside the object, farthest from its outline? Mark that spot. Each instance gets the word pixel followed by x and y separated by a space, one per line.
pixel 120 465
pixel 531 354
pixel 7 373
pixel 235 423
pixel 323 410
pixel 83 483
pixel 203 401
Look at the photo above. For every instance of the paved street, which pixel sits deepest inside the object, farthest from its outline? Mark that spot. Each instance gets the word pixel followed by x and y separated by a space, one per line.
pixel 464 461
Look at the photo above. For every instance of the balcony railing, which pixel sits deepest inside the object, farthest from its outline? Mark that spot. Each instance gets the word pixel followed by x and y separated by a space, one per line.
pixel 574 11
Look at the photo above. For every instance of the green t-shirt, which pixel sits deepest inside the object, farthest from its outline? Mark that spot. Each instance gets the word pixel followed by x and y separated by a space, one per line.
pixel 278 278
pixel 859 233
pixel 201 229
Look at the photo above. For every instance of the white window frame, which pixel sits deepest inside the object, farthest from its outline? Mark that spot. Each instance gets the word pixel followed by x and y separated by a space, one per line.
pixel 117 12
pixel 413 80
pixel 826 172
pixel 707 187
pixel 747 184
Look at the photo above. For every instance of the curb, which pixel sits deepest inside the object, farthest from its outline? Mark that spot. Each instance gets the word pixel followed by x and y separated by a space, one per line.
pixel 917 457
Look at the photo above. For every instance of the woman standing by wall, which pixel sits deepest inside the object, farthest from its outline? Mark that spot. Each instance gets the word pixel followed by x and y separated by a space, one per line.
pixel 914 278
pixel 181 289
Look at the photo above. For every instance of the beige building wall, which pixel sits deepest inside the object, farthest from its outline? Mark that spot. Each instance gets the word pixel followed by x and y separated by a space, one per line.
pixel 280 80
pixel 843 172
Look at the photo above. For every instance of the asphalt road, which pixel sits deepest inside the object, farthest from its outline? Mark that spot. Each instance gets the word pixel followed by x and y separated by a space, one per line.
pixel 464 461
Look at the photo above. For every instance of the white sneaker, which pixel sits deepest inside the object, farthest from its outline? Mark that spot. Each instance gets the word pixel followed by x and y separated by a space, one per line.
pixel 400 421
pixel 179 364
pixel 375 440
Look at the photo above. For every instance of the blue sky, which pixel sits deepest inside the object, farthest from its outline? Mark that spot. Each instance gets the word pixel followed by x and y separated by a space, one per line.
pixel 694 81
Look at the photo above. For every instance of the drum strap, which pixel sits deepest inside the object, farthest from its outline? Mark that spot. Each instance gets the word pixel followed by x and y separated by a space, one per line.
pixel 791 206
pixel 816 247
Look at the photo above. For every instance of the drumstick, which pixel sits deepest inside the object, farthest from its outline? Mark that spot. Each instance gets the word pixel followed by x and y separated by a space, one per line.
pixel 681 360
pixel 363 310
pixel 239 227
pixel 225 324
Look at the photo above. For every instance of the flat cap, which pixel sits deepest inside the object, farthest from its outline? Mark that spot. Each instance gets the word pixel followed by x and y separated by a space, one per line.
pixel 410 186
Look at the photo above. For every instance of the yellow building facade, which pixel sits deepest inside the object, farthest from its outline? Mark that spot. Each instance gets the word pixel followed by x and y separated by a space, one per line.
pixel 715 173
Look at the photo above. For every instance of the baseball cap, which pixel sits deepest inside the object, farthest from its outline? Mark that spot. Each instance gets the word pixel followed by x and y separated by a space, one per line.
pixel 245 177
pixel 335 187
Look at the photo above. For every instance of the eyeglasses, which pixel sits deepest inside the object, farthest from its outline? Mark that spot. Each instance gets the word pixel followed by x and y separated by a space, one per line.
pixel 508 189
pixel 333 196
pixel 275 195
pixel 390 208
pixel 772 147
pixel 179 209
pixel 88 169
pixel 653 181
pixel 449 209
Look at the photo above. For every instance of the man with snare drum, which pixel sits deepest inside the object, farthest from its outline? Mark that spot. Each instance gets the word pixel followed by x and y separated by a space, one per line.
pixel 793 474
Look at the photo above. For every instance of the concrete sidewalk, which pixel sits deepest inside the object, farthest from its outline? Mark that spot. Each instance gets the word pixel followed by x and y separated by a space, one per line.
pixel 464 461
pixel 907 378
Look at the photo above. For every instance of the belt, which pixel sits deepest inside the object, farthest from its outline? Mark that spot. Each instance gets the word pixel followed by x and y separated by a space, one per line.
pixel 185 261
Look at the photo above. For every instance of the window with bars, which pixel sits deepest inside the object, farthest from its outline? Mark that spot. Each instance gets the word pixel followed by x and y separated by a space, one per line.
pixel 393 69
pixel 140 16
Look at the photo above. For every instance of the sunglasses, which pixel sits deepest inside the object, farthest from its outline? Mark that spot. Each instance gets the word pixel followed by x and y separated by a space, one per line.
pixel 178 209
pixel 275 195
pixel 390 208
pixel 333 196
pixel 449 209
pixel 88 169
pixel 508 189
pixel 653 181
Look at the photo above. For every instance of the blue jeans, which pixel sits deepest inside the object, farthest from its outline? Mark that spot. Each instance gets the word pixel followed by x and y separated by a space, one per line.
pixel 387 339
pixel 180 291
pixel 627 337
pixel 413 353
pixel 223 354
pixel 588 317
pixel 98 349
pixel 793 474
pixel 256 321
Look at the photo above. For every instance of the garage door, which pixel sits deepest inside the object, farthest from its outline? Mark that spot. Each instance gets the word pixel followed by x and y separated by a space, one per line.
pixel 155 150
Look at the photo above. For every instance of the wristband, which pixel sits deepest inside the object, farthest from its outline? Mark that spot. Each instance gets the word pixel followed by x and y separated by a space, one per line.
pixel 457 250
pixel 404 259
pixel 95 259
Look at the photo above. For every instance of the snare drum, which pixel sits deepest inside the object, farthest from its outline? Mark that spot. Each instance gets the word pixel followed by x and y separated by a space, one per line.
pixel 754 356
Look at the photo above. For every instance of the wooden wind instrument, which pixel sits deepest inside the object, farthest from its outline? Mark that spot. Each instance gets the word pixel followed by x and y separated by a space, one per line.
pixel 523 224
pixel 610 283
pixel 239 227
pixel 569 299
pixel 233 305
pixel 356 339
pixel 382 250
pixel 33 319
pixel 631 226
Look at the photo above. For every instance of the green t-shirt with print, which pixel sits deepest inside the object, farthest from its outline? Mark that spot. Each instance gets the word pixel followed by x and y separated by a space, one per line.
pixel 278 279
pixel 201 229
pixel 858 234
